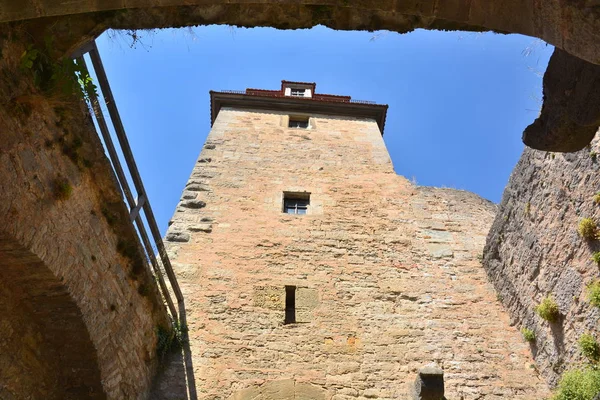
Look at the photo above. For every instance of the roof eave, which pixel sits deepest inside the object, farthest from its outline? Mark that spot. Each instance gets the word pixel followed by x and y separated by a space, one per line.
pixel 377 112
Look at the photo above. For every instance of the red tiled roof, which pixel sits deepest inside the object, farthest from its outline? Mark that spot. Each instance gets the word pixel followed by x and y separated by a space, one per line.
pixel 284 84
pixel 315 98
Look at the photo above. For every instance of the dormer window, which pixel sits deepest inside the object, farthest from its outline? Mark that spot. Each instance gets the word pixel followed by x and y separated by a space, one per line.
pixel 295 92
pixel 297 89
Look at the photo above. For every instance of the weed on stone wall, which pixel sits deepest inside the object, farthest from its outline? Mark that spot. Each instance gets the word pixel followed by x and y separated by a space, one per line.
pixel 56 76
pixel 593 293
pixel 587 228
pixel 143 290
pixel 110 217
pixel 548 309
pixel 579 384
pixel 168 340
pixel 528 334
pixel 589 347
pixel 62 188
pixel 597 198
pixel 130 251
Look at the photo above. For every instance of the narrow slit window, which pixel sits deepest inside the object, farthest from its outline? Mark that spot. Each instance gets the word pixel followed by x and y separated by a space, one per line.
pixel 290 305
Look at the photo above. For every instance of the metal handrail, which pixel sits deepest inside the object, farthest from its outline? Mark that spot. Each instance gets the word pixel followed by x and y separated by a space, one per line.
pixel 142 203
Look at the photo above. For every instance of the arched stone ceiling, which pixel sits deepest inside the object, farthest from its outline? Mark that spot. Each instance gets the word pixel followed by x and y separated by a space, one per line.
pixel 571 112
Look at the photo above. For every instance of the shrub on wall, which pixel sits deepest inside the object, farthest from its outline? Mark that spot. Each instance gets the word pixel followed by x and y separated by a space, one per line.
pixel 548 309
pixel 596 257
pixel 579 384
pixel 587 228
pixel 62 189
pixel 593 293
pixel 528 334
pixel 589 347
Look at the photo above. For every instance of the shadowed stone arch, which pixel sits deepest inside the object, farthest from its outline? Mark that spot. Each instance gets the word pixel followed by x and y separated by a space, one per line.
pixel 573 26
pixel 285 389
pixel 45 348
pixel 571 112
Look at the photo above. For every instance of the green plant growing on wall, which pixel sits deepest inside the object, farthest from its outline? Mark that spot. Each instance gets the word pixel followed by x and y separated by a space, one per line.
pixel 28 58
pixel 587 228
pixel 129 249
pixel 528 334
pixel 596 257
pixel 62 189
pixel 589 347
pixel 167 340
pixel 548 309
pixel 593 293
pixel 164 341
pixel 597 198
pixel 54 75
pixel 111 218
pixel 143 290
pixel 579 384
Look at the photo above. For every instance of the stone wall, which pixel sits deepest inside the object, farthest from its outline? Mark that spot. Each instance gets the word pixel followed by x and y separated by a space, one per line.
pixel 79 309
pixel 23 354
pixel 388 275
pixel 571 26
pixel 534 250
pixel 571 111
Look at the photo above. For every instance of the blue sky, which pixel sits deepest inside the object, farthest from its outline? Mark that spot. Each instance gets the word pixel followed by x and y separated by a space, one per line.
pixel 458 102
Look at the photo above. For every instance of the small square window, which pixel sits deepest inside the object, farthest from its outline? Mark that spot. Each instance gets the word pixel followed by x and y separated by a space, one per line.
pixel 298 92
pixel 298 122
pixel 296 203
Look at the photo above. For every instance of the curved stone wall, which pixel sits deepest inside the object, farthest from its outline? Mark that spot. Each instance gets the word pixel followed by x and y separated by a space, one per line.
pixel 77 296
pixel 573 27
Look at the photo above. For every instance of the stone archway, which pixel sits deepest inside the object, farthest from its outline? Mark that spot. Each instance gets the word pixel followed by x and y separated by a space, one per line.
pixel 571 112
pixel 45 347
pixel 284 389
pixel 573 26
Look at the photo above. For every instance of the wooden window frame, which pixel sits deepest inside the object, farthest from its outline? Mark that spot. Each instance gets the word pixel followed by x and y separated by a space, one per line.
pixel 298 202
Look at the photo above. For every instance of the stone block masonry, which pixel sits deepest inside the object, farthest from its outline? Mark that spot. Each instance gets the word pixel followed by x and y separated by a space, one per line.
pixel 78 314
pixel 533 250
pixel 387 275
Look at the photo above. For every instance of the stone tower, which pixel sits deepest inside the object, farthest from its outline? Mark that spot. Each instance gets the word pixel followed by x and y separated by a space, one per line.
pixel 312 271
